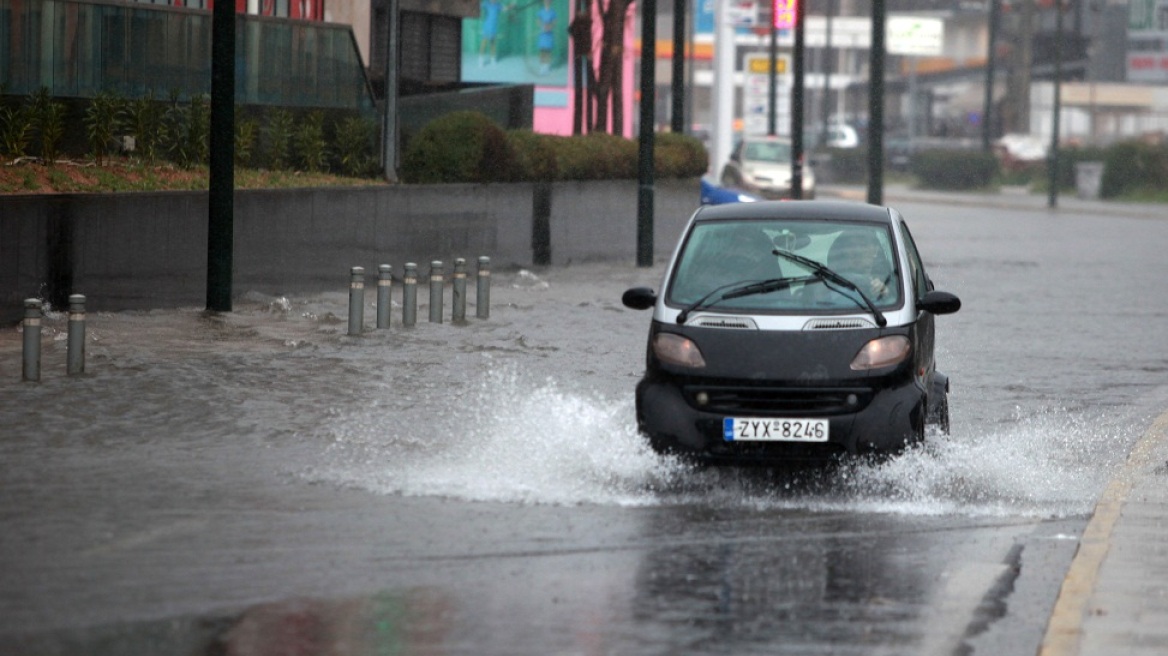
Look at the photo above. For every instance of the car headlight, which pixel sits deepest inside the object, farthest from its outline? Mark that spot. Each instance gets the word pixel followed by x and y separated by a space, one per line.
pixel 677 350
pixel 882 352
pixel 746 198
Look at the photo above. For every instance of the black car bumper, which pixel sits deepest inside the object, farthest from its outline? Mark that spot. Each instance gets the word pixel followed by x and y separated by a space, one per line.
pixel 862 419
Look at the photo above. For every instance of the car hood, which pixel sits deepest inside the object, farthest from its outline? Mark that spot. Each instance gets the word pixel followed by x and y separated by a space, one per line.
pixel 769 170
pixel 779 357
pixel 777 172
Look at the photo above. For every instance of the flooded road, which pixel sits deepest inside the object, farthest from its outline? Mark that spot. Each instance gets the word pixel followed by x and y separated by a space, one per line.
pixel 262 482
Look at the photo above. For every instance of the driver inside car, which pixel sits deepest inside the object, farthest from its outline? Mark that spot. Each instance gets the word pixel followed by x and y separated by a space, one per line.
pixel 859 257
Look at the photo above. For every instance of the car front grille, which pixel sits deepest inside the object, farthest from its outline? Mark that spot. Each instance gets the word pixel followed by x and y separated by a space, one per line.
pixel 777 401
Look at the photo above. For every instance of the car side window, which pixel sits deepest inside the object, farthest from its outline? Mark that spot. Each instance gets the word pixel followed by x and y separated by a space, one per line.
pixel 920 281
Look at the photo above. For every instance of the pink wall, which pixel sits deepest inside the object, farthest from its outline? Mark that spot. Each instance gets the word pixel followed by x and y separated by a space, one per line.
pixel 558 119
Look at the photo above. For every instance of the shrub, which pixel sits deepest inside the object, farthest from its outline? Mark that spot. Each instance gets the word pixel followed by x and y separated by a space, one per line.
pixel 143 117
pixel 848 165
pixel 463 146
pixel 597 156
pixel 955 169
pixel 535 155
pixel 102 122
pixel 308 141
pixel 1068 158
pixel 246 136
pixel 15 130
pixel 187 130
pixel 48 120
pixel 277 139
pixel 1131 165
pixel 679 156
pixel 355 146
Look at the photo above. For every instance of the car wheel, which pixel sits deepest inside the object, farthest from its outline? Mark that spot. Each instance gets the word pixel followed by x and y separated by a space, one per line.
pixel 939 404
pixel 942 416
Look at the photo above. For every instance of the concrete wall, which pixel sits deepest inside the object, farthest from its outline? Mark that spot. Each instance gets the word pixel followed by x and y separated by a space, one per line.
pixel 147 250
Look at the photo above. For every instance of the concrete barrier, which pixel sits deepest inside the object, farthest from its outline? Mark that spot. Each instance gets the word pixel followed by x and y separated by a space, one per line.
pixel 149 250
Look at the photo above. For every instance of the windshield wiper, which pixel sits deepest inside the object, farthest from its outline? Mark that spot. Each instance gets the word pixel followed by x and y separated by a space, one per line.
pixel 774 284
pixel 831 276
pixel 738 290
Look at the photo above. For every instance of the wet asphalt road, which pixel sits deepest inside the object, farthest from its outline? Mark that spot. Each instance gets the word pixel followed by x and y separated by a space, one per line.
pixel 262 483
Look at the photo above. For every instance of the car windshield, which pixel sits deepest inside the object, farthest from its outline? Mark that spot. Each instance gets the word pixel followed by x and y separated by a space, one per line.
pixel 719 257
pixel 767 151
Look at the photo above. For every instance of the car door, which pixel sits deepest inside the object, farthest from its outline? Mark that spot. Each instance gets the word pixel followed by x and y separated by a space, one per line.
pixel 923 335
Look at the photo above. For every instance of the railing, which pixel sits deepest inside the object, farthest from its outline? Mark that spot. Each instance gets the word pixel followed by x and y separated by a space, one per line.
pixel 79 48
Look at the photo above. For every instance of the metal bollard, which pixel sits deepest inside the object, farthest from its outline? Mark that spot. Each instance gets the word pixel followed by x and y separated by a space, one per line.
pixel 410 295
pixel 436 280
pixel 483 291
pixel 32 339
pixel 76 345
pixel 384 287
pixel 356 300
pixel 458 295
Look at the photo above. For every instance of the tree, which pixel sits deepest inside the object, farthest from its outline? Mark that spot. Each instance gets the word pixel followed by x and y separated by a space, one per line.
pixel 607 94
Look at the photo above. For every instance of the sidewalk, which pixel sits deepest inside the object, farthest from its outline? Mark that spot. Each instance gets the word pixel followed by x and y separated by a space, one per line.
pixel 1114 599
pixel 1007 197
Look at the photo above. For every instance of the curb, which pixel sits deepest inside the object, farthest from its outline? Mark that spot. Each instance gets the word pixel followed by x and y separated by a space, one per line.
pixel 1028 202
pixel 1064 631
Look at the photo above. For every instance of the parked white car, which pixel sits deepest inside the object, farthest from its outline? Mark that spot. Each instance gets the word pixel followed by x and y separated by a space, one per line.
pixel 762 166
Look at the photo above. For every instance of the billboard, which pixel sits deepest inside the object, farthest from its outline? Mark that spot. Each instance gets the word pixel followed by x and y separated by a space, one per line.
pixel 524 42
pixel 1147 44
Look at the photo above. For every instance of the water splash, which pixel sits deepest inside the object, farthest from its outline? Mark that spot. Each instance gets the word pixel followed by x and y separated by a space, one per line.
pixel 518 440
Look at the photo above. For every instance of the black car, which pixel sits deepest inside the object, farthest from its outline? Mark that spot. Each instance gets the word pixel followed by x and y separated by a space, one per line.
pixel 792 330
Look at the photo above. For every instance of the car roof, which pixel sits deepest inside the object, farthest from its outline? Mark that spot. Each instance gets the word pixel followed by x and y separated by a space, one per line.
pixel 819 210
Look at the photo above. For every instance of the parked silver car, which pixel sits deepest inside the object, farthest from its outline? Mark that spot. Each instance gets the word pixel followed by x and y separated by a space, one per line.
pixel 762 165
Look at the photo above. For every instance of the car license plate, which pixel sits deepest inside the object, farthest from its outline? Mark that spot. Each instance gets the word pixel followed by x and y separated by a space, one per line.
pixel 748 429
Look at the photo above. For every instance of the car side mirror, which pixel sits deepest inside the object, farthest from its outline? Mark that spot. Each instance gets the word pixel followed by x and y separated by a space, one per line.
pixel 936 302
pixel 639 298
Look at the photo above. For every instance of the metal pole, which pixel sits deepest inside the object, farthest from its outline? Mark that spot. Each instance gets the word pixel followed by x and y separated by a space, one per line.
pixel 876 107
pixel 410 295
pixel 32 339
pixel 677 96
pixel 384 287
pixel 390 120
pixel 772 78
pixel 458 293
pixel 725 64
pixel 797 107
pixel 436 280
pixel 221 188
pixel 991 59
pixel 647 123
pixel 1052 199
pixel 356 299
pixel 76 354
pixel 828 66
pixel 483 290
